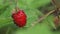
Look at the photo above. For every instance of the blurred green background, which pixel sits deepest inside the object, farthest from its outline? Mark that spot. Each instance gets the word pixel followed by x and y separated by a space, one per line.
pixel 30 7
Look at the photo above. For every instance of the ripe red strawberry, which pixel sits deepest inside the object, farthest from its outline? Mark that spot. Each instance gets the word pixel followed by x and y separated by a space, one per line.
pixel 19 18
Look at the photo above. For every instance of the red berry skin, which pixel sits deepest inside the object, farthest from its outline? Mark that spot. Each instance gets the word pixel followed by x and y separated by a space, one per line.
pixel 19 18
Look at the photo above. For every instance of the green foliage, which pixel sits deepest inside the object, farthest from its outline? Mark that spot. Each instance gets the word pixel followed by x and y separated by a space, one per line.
pixel 30 8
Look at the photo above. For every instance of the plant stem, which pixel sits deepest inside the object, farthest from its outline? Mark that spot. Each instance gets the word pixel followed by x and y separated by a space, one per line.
pixel 42 18
pixel 16 5
pixel 53 1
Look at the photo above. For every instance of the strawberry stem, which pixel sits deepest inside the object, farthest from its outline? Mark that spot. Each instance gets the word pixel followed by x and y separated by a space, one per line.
pixel 16 5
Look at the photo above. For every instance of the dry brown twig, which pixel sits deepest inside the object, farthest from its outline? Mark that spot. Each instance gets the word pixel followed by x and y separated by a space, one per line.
pixel 42 18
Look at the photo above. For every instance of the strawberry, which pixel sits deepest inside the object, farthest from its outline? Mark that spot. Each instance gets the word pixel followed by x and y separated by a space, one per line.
pixel 19 18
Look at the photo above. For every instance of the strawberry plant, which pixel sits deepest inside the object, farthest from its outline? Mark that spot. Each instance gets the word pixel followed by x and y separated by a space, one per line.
pixel 30 18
